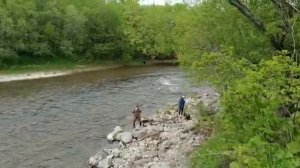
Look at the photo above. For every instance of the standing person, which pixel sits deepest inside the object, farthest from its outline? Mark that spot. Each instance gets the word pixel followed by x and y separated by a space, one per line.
pixel 137 116
pixel 181 104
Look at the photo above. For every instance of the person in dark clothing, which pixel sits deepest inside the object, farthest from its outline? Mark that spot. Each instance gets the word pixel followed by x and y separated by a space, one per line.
pixel 137 116
pixel 181 104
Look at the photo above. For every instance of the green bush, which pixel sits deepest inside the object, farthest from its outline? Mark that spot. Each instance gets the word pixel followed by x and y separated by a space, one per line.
pixel 252 130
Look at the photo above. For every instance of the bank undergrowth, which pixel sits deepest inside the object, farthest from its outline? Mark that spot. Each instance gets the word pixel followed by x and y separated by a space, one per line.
pixel 252 59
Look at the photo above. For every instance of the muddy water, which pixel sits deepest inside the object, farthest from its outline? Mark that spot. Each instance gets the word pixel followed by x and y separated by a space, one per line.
pixel 60 122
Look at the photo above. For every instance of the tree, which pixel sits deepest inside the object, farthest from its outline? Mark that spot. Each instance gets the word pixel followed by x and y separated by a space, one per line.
pixel 287 14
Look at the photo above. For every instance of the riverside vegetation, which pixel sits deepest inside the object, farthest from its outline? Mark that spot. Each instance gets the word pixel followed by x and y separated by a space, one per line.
pixel 248 50
pixel 70 32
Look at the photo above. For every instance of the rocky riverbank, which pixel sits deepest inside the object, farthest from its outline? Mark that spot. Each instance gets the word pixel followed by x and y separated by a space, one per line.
pixel 165 141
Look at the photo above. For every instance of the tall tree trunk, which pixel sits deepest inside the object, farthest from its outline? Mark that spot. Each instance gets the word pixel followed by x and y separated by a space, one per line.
pixel 277 40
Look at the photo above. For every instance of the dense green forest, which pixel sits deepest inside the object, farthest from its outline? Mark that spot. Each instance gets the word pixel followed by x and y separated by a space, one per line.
pixel 36 31
pixel 247 50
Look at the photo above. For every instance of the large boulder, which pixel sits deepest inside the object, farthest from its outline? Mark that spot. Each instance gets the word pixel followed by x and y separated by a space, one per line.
pixel 125 137
pixel 111 136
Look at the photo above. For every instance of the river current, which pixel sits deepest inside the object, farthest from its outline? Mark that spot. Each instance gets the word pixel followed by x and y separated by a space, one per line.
pixel 60 122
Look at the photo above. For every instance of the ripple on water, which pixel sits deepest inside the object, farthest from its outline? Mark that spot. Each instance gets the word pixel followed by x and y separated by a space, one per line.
pixel 60 122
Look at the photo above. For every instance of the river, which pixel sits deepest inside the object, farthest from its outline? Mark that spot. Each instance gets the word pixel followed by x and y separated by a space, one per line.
pixel 60 122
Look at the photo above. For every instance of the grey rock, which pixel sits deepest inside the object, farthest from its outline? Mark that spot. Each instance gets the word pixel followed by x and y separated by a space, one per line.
pixel 161 165
pixel 165 145
pixel 141 162
pixel 140 134
pixel 164 135
pixel 152 132
pixel 115 152
pixel 105 163
pixel 190 125
pixel 125 137
pixel 111 136
pixel 94 160
pixel 149 154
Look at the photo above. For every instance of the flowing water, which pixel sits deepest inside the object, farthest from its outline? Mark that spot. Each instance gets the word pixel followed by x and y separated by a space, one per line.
pixel 60 122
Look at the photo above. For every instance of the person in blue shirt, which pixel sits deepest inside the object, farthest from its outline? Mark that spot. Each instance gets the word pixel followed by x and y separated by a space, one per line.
pixel 181 104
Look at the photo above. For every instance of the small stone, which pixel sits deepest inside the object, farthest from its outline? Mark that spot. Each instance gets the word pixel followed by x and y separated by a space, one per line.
pixel 150 164
pixel 93 161
pixel 161 165
pixel 184 136
pixel 105 163
pixel 121 144
pixel 165 145
pixel 164 135
pixel 190 125
pixel 150 154
pixel 152 132
pixel 141 163
pixel 140 134
pixel 116 152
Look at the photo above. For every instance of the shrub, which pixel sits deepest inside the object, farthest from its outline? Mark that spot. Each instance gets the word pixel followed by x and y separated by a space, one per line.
pixel 249 132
